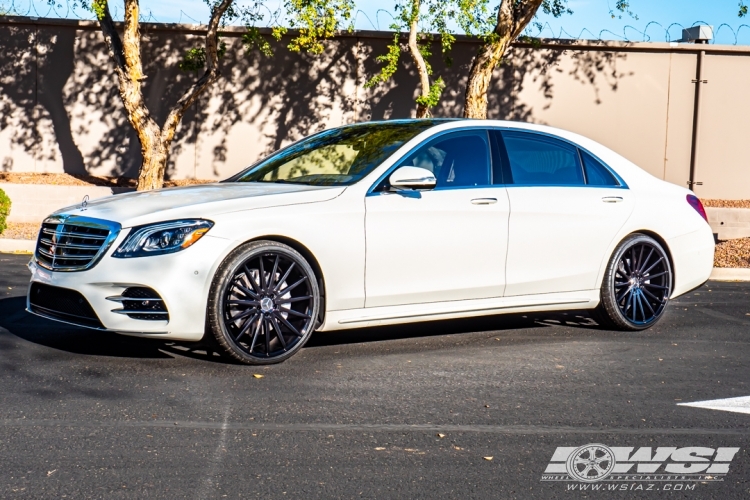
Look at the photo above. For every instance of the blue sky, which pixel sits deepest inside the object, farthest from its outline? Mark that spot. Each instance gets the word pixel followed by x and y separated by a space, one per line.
pixel 654 17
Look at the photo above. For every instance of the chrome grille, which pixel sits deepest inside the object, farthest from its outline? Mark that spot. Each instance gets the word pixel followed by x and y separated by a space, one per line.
pixel 73 243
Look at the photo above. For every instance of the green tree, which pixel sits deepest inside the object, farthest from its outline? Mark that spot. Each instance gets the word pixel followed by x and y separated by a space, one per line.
pixel 422 18
pixel 512 18
pixel 315 19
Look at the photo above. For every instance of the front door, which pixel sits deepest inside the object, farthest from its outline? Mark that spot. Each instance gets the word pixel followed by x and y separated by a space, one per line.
pixel 448 243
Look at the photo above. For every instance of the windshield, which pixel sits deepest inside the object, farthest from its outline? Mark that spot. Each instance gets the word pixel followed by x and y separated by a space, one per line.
pixel 338 157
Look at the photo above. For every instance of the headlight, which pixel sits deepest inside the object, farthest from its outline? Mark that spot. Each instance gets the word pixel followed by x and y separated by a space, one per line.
pixel 163 237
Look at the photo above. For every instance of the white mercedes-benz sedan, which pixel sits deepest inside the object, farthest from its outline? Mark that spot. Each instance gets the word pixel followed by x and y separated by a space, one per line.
pixel 374 224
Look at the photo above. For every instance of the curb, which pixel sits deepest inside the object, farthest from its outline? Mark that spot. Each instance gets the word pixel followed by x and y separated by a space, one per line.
pixel 730 274
pixel 17 246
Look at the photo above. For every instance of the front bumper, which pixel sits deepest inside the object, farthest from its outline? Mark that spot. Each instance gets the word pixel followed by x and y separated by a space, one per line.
pixel 182 280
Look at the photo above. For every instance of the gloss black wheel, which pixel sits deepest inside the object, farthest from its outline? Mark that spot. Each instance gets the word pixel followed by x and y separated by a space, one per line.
pixel 264 303
pixel 637 284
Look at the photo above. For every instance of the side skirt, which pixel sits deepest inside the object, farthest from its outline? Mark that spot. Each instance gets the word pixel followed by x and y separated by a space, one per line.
pixel 412 313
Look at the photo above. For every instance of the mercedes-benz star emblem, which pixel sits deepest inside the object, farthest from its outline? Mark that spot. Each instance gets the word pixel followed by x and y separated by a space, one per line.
pixel 84 203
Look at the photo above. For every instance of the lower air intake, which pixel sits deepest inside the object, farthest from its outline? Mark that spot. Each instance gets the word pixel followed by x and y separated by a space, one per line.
pixel 62 304
pixel 140 302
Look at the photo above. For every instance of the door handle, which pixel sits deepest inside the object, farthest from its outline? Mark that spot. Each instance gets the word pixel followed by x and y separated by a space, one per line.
pixel 483 201
pixel 612 199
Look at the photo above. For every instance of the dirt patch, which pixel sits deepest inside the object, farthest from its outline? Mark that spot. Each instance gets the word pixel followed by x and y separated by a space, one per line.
pixel 86 180
pixel 726 203
pixel 20 231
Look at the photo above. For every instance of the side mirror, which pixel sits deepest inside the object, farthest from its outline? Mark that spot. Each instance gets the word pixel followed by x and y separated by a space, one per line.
pixel 412 178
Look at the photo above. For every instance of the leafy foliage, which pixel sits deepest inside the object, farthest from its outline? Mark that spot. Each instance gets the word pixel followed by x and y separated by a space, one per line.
pixel 390 61
pixel 195 59
pixel 4 210
pixel 433 96
pixel 557 8
pixel 743 9
pixel 431 16
pixel 622 6
pixel 316 20
pixel 253 39
pixel 97 6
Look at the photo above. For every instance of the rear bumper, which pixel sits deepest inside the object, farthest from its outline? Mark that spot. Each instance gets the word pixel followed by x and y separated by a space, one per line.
pixel 693 259
pixel 181 279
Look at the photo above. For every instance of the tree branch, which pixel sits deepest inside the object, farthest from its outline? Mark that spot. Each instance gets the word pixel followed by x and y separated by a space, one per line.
pixel 126 53
pixel 416 55
pixel 512 17
pixel 112 39
pixel 211 75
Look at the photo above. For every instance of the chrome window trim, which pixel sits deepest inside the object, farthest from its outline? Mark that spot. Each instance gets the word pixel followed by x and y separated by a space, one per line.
pixel 487 128
pixel 114 229
pixel 623 184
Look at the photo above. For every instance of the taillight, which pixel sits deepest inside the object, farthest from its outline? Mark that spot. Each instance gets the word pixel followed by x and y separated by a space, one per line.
pixel 697 205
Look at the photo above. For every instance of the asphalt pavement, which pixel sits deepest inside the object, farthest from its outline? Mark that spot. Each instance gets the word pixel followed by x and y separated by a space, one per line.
pixel 454 409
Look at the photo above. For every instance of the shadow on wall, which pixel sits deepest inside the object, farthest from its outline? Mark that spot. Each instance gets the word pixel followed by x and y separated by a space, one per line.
pixel 59 96
pixel 34 66
pixel 286 96
pixel 524 68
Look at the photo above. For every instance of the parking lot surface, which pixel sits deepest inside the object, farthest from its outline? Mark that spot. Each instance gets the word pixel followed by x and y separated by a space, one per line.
pixel 456 409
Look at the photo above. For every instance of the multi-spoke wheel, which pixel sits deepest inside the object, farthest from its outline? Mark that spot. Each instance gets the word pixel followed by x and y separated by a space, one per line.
pixel 637 284
pixel 263 303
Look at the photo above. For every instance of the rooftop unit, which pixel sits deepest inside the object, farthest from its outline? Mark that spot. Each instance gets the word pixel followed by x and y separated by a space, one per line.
pixel 698 34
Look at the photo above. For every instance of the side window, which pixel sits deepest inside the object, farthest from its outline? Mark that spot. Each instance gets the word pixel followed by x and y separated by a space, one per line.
pixel 596 173
pixel 459 159
pixel 538 160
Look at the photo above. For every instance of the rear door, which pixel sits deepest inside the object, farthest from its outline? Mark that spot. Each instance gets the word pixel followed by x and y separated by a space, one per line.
pixel 566 208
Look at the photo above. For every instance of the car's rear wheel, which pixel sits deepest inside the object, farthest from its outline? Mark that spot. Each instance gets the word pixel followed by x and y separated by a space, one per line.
pixel 263 303
pixel 637 284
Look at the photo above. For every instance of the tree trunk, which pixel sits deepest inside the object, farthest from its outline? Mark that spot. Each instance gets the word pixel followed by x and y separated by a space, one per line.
pixel 153 166
pixel 126 53
pixel 511 21
pixel 480 76
pixel 419 62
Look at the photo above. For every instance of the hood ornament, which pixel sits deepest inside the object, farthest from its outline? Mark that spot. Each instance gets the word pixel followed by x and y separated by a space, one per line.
pixel 84 203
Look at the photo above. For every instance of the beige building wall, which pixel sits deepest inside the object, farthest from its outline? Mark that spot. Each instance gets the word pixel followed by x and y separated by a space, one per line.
pixel 60 110
pixel 618 99
pixel 723 162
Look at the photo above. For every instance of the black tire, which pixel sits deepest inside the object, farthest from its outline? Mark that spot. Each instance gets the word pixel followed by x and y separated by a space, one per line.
pixel 263 303
pixel 636 286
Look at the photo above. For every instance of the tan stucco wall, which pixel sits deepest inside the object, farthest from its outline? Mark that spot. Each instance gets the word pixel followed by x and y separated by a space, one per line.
pixel 60 111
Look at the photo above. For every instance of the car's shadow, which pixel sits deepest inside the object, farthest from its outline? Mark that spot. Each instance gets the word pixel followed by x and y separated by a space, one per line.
pixel 14 320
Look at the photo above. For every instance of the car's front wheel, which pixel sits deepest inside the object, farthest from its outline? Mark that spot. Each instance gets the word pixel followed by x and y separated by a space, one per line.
pixel 263 303
pixel 637 284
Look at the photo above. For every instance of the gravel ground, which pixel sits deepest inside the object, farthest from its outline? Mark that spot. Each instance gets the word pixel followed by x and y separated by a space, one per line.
pixel 20 231
pixel 733 253
pixel 85 180
pixel 726 203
